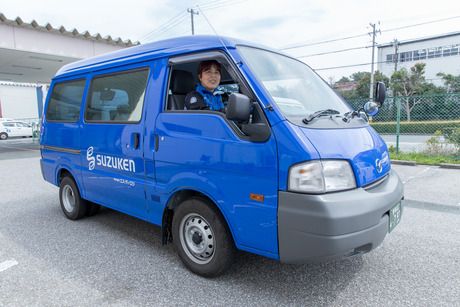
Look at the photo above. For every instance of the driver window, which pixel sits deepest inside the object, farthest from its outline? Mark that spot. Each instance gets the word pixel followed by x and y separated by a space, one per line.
pixel 201 85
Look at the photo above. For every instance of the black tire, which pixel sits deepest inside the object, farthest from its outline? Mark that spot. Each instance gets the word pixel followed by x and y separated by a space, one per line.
pixel 92 209
pixel 3 136
pixel 214 259
pixel 73 206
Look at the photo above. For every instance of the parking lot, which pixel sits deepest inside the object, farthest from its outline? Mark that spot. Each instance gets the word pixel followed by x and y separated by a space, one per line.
pixel 114 259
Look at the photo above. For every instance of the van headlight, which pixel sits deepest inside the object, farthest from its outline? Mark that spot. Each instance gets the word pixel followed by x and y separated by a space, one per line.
pixel 321 176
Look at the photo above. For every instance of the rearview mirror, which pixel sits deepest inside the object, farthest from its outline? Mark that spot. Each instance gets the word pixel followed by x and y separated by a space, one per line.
pixel 380 92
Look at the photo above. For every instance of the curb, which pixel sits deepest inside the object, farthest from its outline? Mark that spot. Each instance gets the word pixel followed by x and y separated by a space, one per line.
pixel 404 162
pixel 431 206
pixel 413 163
pixel 450 166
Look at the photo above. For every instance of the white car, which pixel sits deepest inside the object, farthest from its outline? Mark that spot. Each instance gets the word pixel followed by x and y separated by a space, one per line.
pixel 14 128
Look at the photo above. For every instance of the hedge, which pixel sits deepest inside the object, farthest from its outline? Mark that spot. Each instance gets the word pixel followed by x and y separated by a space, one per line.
pixel 416 127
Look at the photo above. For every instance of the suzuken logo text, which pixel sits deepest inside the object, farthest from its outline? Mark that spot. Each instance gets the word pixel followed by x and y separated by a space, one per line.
pixel 94 160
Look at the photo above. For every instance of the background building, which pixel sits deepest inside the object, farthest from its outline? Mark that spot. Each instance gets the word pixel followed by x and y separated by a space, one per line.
pixel 440 54
pixel 30 54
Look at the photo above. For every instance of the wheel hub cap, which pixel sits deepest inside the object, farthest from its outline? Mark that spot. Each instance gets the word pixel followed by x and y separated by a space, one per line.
pixel 197 238
pixel 68 198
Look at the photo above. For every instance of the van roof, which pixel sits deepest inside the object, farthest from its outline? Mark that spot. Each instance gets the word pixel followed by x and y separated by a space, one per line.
pixel 179 45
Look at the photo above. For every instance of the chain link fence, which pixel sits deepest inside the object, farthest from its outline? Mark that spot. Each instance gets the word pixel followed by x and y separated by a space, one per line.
pixel 430 122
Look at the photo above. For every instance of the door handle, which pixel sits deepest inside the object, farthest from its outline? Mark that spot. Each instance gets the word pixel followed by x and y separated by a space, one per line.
pixel 157 142
pixel 136 140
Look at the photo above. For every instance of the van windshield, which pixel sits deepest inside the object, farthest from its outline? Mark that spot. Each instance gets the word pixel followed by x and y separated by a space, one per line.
pixel 295 88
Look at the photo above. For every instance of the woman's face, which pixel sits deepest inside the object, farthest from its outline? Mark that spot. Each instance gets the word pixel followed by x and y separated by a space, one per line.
pixel 210 78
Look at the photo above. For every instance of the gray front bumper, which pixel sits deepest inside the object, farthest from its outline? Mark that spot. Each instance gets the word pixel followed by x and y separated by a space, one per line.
pixel 327 226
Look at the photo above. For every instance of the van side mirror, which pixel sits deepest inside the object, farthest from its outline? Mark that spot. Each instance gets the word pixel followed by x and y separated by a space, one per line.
pixel 238 107
pixel 380 92
pixel 371 108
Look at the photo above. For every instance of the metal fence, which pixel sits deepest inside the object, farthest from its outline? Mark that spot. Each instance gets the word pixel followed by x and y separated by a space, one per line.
pixel 430 119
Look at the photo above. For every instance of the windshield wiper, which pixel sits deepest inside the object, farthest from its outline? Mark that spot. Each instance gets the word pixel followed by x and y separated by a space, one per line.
pixel 317 114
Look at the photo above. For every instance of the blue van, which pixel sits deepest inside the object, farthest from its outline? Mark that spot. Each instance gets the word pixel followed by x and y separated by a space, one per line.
pixel 289 171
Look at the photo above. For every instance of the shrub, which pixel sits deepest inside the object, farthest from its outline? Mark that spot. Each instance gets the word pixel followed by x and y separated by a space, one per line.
pixel 454 138
pixel 436 144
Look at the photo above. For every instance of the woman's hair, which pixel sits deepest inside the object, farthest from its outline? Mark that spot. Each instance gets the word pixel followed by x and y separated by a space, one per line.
pixel 205 65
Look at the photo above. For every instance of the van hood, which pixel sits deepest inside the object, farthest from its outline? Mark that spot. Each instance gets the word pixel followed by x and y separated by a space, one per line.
pixel 362 147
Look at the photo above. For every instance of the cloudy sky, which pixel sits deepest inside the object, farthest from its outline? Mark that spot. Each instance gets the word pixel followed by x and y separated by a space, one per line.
pixel 278 24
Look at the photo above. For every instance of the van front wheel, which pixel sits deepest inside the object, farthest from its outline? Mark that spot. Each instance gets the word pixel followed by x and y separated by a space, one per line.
pixel 202 238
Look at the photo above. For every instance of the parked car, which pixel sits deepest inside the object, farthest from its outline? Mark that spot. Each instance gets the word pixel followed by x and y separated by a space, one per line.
pixel 15 128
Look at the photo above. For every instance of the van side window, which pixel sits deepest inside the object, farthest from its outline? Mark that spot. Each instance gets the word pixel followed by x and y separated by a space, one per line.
pixel 65 101
pixel 117 97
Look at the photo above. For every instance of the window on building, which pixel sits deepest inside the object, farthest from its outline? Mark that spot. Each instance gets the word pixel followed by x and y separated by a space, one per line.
pixel 117 97
pixel 434 52
pixel 390 58
pixel 405 56
pixel 419 54
pixel 65 101
pixel 454 50
pixel 446 50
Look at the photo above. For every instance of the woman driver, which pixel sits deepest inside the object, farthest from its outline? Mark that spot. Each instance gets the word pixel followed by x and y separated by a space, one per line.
pixel 204 96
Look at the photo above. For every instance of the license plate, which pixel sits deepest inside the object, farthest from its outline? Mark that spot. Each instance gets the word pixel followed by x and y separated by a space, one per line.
pixel 395 216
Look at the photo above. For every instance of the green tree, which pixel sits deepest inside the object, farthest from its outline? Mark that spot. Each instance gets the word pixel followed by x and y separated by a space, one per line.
pixel 362 80
pixel 410 85
pixel 451 82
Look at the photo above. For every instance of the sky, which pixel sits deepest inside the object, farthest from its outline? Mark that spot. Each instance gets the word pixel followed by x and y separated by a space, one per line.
pixel 277 24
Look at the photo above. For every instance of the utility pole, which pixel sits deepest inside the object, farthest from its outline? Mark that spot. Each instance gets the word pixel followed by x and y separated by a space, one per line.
pixel 395 55
pixel 371 85
pixel 192 12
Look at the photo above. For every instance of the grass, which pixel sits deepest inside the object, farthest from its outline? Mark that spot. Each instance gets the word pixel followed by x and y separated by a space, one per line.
pixel 423 158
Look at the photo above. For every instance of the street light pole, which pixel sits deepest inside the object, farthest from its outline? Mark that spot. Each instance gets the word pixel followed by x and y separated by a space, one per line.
pixel 192 12
pixel 395 55
pixel 374 33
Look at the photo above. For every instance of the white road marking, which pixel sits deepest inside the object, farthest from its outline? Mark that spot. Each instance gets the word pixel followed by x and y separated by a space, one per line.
pixel 5 265
pixel 417 175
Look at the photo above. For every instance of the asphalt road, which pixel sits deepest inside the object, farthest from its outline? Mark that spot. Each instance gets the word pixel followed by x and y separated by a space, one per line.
pixel 114 260
pixel 15 148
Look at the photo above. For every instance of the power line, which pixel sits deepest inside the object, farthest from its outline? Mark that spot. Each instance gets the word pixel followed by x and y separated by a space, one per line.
pixel 181 17
pixel 365 34
pixel 165 26
pixel 226 3
pixel 334 51
pixel 352 65
pixel 421 24
pixel 172 26
pixel 219 3
pixel 324 42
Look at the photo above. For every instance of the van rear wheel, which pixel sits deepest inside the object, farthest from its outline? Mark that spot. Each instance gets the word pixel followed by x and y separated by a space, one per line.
pixel 73 206
pixel 202 238
pixel 3 136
